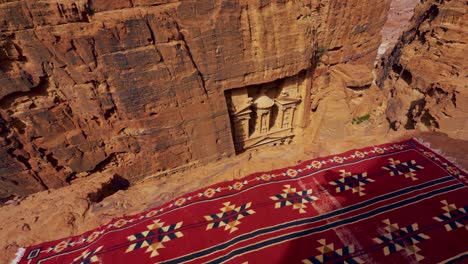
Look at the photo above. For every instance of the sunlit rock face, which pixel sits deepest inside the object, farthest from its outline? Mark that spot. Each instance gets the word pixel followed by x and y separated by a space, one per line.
pixel 401 11
pixel 426 73
pixel 139 87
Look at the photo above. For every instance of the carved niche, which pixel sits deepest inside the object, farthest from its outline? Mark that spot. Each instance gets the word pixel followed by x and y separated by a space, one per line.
pixel 263 114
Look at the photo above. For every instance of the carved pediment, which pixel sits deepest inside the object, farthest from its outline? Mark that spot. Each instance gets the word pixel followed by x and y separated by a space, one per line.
pixel 243 110
pixel 284 100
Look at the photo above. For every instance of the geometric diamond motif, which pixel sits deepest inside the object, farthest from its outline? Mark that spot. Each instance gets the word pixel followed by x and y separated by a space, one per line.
pixel 290 197
pixel 453 216
pixel 328 254
pixel 87 257
pixel 351 182
pixel 229 216
pixel 154 237
pixel 405 238
pixel 407 168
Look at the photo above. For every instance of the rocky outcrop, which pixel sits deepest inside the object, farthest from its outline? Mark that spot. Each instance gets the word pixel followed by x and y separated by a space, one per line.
pixel 138 86
pixel 426 73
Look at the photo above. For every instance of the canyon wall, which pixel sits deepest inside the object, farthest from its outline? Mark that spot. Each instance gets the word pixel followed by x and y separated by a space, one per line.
pixel 138 86
pixel 425 75
pixel 401 11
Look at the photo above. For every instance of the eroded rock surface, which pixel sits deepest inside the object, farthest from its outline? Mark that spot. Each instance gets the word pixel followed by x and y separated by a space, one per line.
pixel 401 11
pixel 426 73
pixel 137 87
pixel 107 93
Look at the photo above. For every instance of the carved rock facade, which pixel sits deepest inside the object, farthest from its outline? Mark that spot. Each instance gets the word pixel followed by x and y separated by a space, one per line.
pixel 138 87
pixel 266 114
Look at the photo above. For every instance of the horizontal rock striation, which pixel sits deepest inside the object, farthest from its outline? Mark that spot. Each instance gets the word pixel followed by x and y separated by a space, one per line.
pixel 137 87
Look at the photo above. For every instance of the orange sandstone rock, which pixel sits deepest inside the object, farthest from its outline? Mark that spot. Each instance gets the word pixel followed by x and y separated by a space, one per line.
pixel 137 87
pixel 426 73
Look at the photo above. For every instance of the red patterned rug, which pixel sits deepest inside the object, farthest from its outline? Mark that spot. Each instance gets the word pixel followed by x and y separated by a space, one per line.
pixel 393 203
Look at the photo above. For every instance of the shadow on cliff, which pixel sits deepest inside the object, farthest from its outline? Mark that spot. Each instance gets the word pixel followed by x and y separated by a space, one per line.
pixel 107 189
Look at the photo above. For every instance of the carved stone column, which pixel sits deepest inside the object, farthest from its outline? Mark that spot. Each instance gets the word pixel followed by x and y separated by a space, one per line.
pixel 240 112
pixel 287 108
pixel 263 106
pixel 289 116
pixel 263 121
pixel 281 112
pixel 241 125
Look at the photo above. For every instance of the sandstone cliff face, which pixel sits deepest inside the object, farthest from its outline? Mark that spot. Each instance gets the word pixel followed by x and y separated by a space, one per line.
pixel 426 73
pixel 138 86
pixel 401 11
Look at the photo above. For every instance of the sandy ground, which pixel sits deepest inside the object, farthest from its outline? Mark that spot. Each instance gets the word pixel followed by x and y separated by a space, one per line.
pixel 56 214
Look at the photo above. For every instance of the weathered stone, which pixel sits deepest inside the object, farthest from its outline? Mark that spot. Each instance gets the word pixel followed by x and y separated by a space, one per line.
pixel 426 71
pixel 138 87
pixel 356 76
pixel 399 15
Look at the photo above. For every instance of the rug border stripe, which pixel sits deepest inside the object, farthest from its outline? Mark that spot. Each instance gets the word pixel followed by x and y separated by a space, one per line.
pixel 350 220
pixel 309 220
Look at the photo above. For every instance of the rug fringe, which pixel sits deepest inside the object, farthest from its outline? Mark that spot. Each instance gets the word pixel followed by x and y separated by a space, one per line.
pixel 19 254
pixel 441 153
